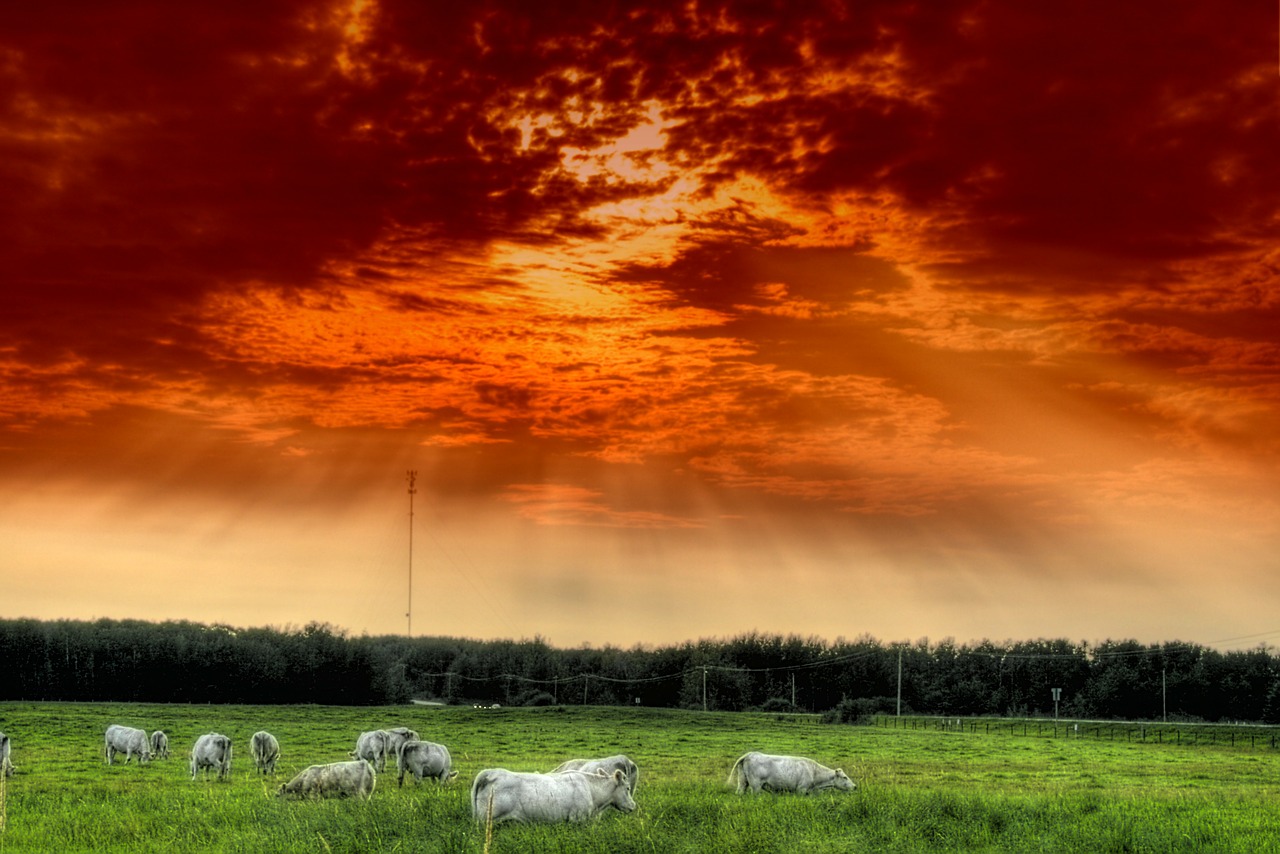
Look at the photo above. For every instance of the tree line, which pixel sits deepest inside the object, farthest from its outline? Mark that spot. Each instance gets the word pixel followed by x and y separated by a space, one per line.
pixel 186 662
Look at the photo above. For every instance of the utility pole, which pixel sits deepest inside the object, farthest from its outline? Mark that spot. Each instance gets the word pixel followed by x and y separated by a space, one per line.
pixel 1164 704
pixel 1057 693
pixel 412 476
pixel 793 690
pixel 704 689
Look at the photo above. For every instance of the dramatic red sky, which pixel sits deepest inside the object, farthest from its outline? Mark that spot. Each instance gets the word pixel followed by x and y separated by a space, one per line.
pixel 910 319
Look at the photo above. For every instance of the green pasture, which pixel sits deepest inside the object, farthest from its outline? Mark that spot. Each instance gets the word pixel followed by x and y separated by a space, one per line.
pixel 919 789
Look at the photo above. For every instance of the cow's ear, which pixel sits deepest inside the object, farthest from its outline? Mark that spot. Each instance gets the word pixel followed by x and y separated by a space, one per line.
pixel 617 776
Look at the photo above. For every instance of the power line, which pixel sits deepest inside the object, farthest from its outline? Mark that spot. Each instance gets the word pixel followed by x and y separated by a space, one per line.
pixel 1083 654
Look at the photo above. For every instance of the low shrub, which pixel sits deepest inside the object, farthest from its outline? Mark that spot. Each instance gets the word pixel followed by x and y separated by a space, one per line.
pixel 859 710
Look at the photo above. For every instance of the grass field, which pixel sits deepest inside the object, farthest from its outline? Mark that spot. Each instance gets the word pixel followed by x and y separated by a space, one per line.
pixel 919 790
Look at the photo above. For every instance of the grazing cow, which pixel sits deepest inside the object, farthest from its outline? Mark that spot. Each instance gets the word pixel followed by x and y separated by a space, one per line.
pixel 129 741
pixel 787 774
pixel 335 780
pixel 373 746
pixel 211 750
pixel 6 767
pixel 398 737
pixel 265 751
pixel 501 795
pixel 159 745
pixel 425 759
pixel 607 765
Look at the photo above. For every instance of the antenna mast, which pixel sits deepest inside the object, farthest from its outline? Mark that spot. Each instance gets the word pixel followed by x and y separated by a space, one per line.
pixel 413 475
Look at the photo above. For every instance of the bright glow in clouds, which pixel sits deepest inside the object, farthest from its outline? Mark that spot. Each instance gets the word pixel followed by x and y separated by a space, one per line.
pixel 884 319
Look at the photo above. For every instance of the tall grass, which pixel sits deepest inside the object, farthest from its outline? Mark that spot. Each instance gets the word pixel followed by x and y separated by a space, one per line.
pixel 919 791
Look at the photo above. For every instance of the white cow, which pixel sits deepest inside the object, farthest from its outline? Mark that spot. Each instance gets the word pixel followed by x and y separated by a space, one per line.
pixel 398 738
pixel 607 765
pixel 501 795
pixel 212 750
pixel 425 759
pixel 129 741
pixel 265 750
pixel 786 774
pixel 159 745
pixel 373 746
pixel 6 766
pixel 335 780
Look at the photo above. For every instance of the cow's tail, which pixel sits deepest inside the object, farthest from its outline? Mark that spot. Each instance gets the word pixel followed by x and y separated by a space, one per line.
pixel 488 825
pixel 400 763
pixel 736 771
pixel 479 788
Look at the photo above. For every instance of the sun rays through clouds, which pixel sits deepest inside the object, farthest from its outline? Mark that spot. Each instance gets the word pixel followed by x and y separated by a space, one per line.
pixel 956 291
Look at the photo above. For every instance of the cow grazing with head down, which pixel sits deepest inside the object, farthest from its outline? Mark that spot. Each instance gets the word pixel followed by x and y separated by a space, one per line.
pixel 500 795
pixel 425 759
pixel 212 750
pixel 398 738
pixel 355 779
pixel 607 766
pixel 6 766
pixel 159 745
pixel 129 741
pixel 374 747
pixel 265 750
pixel 759 771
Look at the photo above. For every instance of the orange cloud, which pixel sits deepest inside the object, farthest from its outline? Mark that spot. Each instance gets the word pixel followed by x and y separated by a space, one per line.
pixel 560 504
pixel 915 274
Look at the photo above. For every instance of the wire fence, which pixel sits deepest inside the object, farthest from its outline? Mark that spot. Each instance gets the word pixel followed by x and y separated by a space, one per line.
pixel 662 677
pixel 1134 732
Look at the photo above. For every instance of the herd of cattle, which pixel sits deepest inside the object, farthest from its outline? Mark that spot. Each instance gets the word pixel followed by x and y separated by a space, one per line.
pixel 576 790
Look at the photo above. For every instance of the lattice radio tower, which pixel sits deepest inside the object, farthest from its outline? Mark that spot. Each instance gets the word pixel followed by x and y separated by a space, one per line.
pixel 413 475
